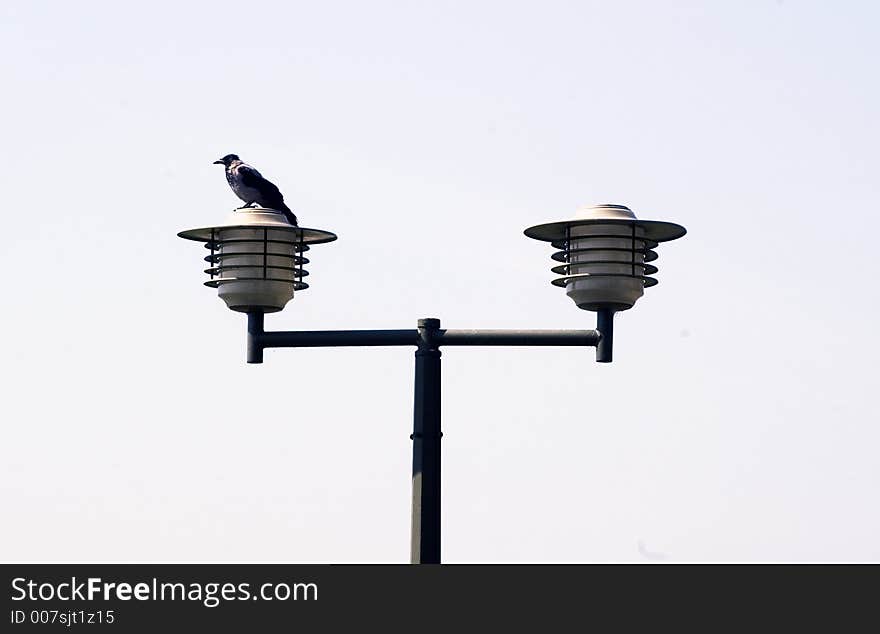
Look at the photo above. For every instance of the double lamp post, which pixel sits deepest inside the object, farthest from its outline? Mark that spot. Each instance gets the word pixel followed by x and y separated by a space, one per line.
pixel 604 253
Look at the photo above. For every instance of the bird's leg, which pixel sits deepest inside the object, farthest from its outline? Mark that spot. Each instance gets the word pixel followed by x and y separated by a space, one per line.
pixel 250 204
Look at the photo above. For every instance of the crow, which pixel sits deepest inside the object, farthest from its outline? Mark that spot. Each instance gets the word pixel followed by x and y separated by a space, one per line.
pixel 249 185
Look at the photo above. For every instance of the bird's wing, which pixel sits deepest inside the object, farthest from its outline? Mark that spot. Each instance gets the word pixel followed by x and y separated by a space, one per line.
pixel 249 176
pixel 252 178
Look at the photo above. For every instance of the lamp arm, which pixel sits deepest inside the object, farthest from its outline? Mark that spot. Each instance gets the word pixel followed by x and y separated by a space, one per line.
pixel 258 339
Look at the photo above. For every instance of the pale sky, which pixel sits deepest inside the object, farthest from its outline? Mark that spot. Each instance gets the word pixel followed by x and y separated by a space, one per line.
pixel 735 424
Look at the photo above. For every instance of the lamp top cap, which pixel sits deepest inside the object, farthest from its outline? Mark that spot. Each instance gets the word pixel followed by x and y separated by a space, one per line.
pixel 258 218
pixel 605 214
pixel 606 211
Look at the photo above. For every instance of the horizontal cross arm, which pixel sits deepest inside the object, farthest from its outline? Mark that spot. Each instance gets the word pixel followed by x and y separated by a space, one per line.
pixel 518 337
pixel 330 338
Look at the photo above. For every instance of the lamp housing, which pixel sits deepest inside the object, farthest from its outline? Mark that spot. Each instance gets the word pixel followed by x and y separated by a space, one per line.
pixel 605 254
pixel 257 258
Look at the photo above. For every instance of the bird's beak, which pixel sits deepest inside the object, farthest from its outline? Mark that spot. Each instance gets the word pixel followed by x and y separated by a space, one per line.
pixel 218 162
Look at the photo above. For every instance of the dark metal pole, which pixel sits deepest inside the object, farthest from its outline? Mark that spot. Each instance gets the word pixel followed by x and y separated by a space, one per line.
pixel 426 448
pixel 328 338
pixel 605 326
pixel 254 337
pixel 518 337
pixel 332 338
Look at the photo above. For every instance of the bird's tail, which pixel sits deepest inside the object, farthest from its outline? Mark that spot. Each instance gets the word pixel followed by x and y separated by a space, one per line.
pixel 291 218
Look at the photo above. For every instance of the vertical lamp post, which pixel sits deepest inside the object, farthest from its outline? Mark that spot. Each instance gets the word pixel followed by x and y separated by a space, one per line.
pixel 256 264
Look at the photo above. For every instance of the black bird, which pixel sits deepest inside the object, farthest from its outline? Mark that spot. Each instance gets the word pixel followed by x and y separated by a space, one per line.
pixel 249 185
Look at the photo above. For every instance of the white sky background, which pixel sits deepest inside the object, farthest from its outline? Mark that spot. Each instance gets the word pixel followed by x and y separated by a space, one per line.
pixel 736 423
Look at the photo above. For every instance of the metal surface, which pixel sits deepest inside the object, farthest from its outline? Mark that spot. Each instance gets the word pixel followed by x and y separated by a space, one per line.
pixel 348 338
pixel 654 229
pixel 566 253
pixel 565 269
pixel 563 281
pixel 605 326
pixel 254 332
pixel 257 258
pixel 605 250
pixel 517 337
pixel 338 338
pixel 606 215
pixel 259 339
pixel 425 535
pixel 251 217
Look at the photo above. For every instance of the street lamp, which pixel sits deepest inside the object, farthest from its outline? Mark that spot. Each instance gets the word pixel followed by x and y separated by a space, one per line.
pixel 605 253
pixel 256 264
pixel 257 258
